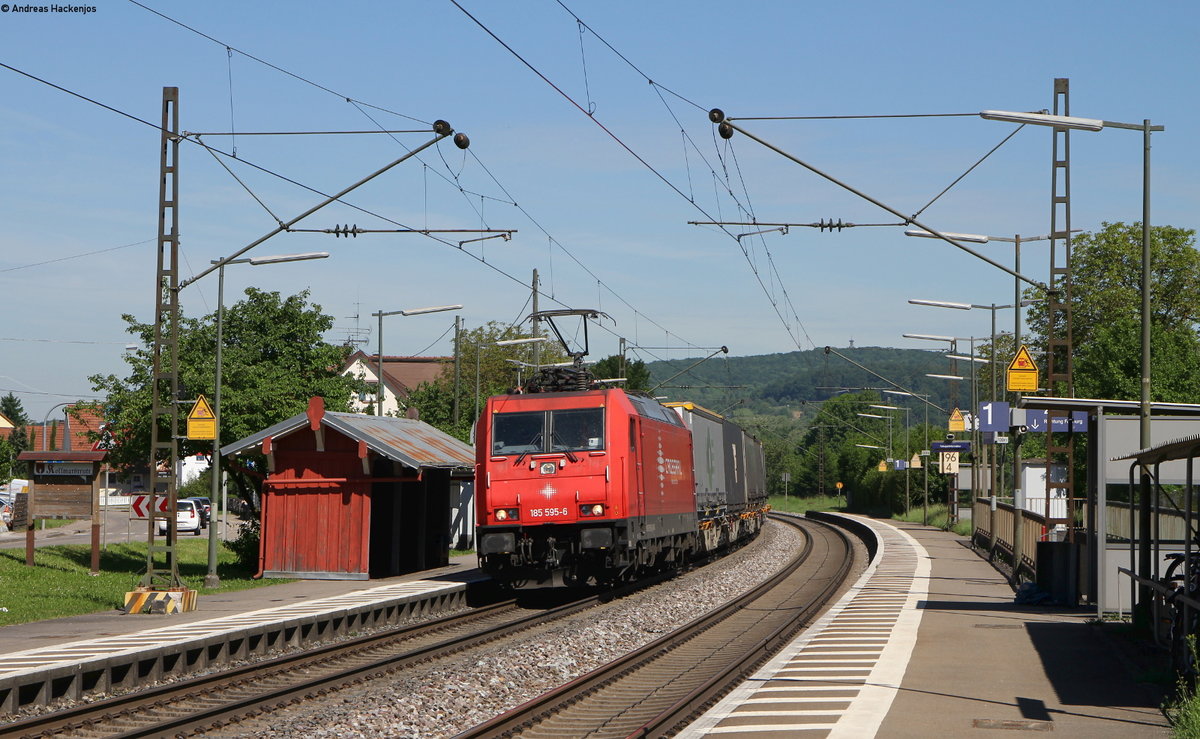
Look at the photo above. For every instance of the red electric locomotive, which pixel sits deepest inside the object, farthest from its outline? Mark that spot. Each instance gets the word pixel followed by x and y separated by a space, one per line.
pixel 582 484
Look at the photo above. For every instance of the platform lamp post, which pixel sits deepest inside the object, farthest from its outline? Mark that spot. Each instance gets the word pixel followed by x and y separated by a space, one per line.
pixel 1016 241
pixel 379 385
pixel 975 437
pixel 502 342
pixel 1092 124
pixel 211 580
pixel 952 487
pixel 866 446
pixel 889 423
pixel 880 406
pixel 924 452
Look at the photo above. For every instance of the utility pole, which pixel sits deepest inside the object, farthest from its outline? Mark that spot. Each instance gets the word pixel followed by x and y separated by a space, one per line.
pixel 164 377
pixel 457 361
pixel 537 325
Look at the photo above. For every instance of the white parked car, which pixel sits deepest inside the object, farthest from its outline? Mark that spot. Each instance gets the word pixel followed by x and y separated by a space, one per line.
pixel 187 518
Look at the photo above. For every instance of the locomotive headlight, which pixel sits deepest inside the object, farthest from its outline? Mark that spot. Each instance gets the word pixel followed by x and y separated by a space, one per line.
pixel 501 515
pixel 508 514
pixel 597 510
pixel 591 510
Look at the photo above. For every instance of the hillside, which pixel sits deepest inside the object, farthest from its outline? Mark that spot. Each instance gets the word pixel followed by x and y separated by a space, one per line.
pixel 782 383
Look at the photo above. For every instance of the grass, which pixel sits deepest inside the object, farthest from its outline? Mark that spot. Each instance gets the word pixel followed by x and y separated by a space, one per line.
pixel 796 504
pixel 937 519
pixel 460 552
pixel 937 513
pixel 1183 710
pixel 59 584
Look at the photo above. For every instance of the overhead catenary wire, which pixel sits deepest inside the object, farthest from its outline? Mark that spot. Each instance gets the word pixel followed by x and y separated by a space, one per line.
pixel 358 104
pixel 77 256
pixel 295 182
pixel 279 69
pixel 643 162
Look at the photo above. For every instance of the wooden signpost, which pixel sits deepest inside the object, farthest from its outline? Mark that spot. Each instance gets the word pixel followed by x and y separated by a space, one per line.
pixel 65 485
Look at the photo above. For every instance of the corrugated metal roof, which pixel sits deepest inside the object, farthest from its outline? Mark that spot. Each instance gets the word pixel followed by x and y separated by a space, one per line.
pixel 1184 448
pixel 413 443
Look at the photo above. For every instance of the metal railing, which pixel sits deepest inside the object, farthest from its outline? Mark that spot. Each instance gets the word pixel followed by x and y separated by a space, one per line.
pixel 1033 529
pixel 1170 526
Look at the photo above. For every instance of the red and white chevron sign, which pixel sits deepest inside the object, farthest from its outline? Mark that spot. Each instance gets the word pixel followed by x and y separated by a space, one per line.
pixel 139 505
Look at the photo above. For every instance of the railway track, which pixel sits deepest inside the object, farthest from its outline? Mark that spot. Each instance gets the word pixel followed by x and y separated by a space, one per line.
pixel 198 703
pixel 223 699
pixel 660 687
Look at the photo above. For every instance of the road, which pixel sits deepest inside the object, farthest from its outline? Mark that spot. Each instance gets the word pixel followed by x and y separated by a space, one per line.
pixel 115 527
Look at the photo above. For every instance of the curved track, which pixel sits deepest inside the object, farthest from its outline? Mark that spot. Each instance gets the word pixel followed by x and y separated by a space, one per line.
pixel 222 699
pixel 660 687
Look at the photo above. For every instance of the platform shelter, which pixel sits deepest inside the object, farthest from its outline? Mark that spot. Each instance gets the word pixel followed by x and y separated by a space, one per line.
pixel 352 497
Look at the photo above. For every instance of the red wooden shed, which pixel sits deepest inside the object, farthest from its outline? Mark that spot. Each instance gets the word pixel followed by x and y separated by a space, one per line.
pixel 353 497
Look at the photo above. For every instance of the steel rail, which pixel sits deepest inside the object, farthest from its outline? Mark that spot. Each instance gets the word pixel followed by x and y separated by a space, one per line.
pixel 596 686
pixel 176 697
pixel 221 698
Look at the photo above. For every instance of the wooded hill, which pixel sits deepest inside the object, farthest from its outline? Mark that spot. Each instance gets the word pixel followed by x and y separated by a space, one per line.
pixel 782 384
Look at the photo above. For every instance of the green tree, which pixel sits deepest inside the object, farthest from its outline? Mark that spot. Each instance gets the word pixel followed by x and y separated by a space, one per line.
pixel 12 409
pixel 18 440
pixel 635 372
pixel 274 360
pixel 7 461
pixel 830 447
pixel 1106 312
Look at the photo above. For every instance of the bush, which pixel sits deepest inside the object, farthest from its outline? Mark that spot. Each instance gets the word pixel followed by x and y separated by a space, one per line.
pixel 245 545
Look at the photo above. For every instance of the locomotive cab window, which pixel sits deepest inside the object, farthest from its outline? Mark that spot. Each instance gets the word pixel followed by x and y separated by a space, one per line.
pixel 567 430
pixel 518 433
pixel 577 430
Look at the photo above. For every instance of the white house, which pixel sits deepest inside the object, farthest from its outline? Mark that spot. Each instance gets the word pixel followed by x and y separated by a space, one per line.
pixel 401 375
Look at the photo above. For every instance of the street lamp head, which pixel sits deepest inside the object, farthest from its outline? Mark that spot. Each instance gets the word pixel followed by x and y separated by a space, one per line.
pixel 885 407
pixel 965 358
pixel 1042 119
pixel 870 415
pixel 972 238
pixel 432 309
pixel 278 258
pixel 944 377
pixel 929 337
pixel 513 342
pixel 940 304
pixel 868 446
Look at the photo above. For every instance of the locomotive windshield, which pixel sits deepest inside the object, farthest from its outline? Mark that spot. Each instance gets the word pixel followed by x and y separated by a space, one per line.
pixel 567 430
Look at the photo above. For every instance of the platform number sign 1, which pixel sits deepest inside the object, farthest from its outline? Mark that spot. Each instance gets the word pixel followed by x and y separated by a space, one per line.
pixel 994 416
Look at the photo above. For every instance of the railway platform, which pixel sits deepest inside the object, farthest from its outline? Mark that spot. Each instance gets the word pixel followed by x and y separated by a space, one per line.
pixel 44 660
pixel 929 642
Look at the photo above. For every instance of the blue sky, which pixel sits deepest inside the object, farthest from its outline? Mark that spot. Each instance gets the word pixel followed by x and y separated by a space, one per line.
pixel 77 178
